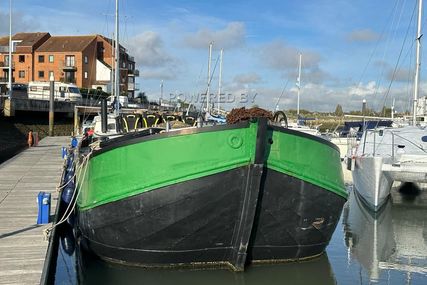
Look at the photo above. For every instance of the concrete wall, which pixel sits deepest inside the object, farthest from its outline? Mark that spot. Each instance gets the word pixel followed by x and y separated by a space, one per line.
pixel 36 105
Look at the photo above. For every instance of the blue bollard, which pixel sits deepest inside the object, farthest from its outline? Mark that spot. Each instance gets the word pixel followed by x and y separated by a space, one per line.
pixel 43 201
pixel 74 142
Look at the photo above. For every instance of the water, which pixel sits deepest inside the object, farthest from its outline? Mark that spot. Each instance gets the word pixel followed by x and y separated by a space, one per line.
pixel 389 247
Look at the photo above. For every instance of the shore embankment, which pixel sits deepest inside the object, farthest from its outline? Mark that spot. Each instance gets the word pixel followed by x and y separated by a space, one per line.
pixel 14 132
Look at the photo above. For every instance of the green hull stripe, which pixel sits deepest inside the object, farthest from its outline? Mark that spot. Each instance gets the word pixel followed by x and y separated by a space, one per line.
pixel 133 169
pixel 307 159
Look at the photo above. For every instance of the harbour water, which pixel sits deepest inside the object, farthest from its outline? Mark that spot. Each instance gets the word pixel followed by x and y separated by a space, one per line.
pixel 388 247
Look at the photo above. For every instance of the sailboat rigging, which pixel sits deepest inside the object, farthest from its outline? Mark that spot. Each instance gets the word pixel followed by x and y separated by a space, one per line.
pixel 386 155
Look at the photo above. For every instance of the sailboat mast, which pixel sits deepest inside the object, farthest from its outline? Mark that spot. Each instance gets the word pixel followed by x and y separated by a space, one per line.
pixel 161 93
pixel 112 66
pixel 418 64
pixel 209 77
pixel 220 78
pixel 117 62
pixel 299 82
pixel 10 50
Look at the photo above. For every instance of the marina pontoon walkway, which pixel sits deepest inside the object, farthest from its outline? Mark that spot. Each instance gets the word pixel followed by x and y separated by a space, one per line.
pixel 22 244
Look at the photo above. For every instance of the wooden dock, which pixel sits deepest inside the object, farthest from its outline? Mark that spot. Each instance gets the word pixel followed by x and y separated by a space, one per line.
pixel 22 244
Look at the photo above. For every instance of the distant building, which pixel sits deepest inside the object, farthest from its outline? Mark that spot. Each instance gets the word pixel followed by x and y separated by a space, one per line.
pixel 83 60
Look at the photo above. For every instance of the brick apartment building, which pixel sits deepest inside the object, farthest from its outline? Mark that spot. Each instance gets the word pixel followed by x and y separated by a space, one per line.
pixel 83 60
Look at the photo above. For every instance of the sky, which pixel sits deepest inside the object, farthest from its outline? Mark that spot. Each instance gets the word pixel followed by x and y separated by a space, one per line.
pixel 351 50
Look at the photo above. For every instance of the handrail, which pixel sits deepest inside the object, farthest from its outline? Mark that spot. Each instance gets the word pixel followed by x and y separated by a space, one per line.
pixel 393 143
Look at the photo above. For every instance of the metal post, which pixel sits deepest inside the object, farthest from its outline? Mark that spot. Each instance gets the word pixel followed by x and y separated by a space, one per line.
pixel 299 82
pixel 161 94
pixel 10 50
pixel 76 121
pixel 209 77
pixel 219 81
pixel 117 65
pixel 104 118
pixel 375 135
pixel 392 146
pixel 418 64
pixel 51 105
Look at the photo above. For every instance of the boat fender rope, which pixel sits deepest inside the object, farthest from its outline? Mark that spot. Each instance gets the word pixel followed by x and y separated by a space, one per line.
pixel 69 210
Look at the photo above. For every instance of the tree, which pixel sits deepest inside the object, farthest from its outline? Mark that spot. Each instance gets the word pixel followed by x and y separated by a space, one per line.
pixel 385 112
pixel 142 97
pixel 338 111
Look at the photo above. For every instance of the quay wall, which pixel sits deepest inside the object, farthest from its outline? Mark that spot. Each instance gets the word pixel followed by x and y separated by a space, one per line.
pixel 14 130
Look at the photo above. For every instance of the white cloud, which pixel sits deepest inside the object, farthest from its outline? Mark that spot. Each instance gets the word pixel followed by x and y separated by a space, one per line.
pixel 148 50
pixel 160 73
pixel 247 78
pixel 364 35
pixel 361 90
pixel 152 58
pixel 233 35
pixel 280 55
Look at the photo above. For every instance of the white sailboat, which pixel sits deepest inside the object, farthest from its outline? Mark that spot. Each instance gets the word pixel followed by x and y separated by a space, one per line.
pixel 386 155
pixel 300 125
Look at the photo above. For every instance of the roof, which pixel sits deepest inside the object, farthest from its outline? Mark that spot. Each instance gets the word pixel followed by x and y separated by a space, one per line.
pixel 66 43
pixel 4 41
pixel 26 39
pixel 110 41
pixel 29 39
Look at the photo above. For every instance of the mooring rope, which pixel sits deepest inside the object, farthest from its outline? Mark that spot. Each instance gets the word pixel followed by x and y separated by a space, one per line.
pixel 82 167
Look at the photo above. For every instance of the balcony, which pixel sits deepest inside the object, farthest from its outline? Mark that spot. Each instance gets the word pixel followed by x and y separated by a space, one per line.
pixel 67 80
pixel 134 72
pixel 68 66
pixel 133 86
pixel 5 65
pixel 5 80
pixel 131 59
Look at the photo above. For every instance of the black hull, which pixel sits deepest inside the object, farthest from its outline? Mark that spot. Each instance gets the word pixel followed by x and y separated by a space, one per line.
pixel 295 219
pixel 221 219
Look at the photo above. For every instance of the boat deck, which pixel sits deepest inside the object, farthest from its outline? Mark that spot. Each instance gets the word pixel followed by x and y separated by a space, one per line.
pixel 22 244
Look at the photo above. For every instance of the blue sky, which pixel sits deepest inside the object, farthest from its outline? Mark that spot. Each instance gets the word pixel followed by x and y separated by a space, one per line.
pixel 349 48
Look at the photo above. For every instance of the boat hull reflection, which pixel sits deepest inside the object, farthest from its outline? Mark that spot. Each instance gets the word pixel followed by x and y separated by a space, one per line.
pixel 395 238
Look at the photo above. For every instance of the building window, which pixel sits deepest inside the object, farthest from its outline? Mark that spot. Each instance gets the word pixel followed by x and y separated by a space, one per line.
pixel 69 60
pixel 50 58
pixel 22 58
pixel 85 59
pixel 41 58
pixel 85 74
pixel 41 74
pixel 22 74
pixel 6 60
pixel 51 75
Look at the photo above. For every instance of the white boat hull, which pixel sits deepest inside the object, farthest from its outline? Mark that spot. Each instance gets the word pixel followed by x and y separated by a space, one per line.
pixel 389 155
pixel 372 185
